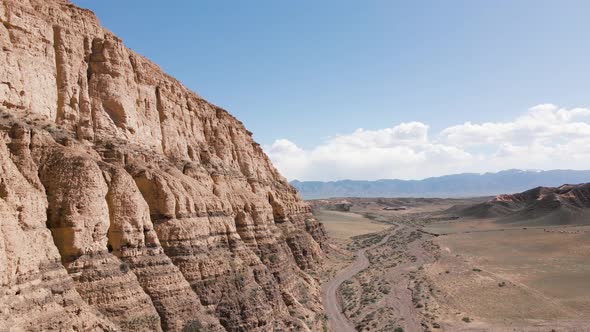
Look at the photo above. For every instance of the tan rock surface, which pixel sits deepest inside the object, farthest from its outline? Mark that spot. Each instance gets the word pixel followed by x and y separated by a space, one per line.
pixel 127 202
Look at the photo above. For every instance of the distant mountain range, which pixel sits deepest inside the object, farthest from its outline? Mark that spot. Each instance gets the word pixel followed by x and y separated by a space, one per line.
pixel 456 185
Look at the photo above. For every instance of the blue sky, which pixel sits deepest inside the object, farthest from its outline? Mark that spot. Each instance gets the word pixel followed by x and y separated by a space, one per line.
pixel 302 75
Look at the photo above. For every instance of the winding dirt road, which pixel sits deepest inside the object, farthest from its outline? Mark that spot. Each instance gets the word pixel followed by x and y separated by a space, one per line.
pixel 336 319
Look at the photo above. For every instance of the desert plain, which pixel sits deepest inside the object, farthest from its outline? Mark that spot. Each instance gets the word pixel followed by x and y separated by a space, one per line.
pixel 432 269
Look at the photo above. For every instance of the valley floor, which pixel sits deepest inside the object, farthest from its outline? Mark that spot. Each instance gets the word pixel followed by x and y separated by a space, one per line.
pixel 425 273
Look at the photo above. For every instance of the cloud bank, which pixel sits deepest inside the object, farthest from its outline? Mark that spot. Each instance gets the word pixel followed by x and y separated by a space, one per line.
pixel 545 137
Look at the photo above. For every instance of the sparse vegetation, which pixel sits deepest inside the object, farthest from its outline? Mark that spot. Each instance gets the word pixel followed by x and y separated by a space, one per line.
pixel 400 264
pixel 193 326
pixel 124 267
pixel 324 319
pixel 365 241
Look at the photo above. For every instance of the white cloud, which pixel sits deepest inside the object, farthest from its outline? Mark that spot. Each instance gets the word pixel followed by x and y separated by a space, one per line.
pixel 542 123
pixel 287 157
pixel 545 137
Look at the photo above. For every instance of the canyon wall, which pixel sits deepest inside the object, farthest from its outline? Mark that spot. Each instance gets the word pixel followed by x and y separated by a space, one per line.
pixel 129 203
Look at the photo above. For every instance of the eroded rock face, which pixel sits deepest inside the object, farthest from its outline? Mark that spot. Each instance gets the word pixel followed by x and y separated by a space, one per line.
pixel 563 205
pixel 127 202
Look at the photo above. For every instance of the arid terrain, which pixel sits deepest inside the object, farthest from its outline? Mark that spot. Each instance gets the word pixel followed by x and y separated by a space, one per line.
pixel 437 268
pixel 343 225
pixel 130 203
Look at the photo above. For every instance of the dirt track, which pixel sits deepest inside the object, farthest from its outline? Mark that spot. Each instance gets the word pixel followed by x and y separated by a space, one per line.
pixel 337 320
pixel 411 279
pixel 399 301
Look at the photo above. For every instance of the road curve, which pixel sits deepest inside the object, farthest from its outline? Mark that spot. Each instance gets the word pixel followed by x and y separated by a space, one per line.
pixel 337 320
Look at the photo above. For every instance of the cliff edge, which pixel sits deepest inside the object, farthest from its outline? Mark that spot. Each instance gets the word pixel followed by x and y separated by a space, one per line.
pixel 129 203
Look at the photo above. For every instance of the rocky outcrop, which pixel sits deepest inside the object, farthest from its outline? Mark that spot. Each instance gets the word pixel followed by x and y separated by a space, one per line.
pixel 127 202
pixel 566 204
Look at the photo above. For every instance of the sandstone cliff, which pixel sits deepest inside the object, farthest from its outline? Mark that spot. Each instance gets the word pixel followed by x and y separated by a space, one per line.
pixel 127 202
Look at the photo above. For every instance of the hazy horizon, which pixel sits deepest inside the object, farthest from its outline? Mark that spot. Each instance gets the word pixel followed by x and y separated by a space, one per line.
pixel 450 174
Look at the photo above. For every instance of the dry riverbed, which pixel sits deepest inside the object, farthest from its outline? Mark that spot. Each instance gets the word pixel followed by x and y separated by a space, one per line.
pixel 373 289
pixel 475 277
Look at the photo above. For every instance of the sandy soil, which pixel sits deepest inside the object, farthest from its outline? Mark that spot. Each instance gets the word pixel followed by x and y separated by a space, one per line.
pixel 345 225
pixel 477 276
pixel 515 278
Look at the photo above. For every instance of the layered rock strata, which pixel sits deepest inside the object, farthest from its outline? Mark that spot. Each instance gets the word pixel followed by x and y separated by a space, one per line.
pixel 568 204
pixel 127 202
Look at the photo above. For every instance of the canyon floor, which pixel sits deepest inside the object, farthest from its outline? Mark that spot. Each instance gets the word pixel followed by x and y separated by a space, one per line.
pixel 421 269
